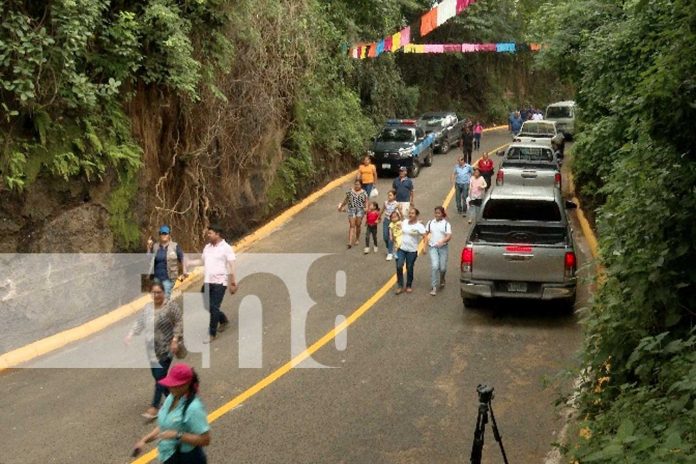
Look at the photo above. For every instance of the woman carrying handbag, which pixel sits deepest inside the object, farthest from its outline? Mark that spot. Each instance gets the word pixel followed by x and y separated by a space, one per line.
pixel 182 423
pixel 162 323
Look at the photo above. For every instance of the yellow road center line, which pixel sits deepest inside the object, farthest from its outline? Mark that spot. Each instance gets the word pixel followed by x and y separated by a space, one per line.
pixel 316 346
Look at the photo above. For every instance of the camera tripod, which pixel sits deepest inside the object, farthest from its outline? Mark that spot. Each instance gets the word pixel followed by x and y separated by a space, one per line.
pixel 485 394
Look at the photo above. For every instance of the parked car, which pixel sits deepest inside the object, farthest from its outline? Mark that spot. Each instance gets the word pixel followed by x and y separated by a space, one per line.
pixel 541 133
pixel 445 126
pixel 402 143
pixel 520 247
pixel 563 114
pixel 529 165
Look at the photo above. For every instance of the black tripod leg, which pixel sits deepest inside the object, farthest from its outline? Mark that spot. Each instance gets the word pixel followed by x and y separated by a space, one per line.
pixel 477 446
pixel 496 433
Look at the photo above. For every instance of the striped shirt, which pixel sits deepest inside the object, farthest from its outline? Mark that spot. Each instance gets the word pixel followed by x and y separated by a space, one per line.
pixel 160 327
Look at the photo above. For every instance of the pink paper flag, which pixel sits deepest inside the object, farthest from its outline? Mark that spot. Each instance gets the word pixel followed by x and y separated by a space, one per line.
pixel 388 43
pixel 434 48
pixel 468 48
pixel 489 47
pixel 406 36
pixel 453 48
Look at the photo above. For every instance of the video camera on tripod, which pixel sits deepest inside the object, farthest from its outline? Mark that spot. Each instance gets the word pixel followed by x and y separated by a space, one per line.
pixel 485 396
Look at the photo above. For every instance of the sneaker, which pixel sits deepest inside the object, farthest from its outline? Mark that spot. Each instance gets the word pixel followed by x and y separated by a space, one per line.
pixel 409 289
pixel 399 290
pixel 433 292
pixel 469 221
pixel 209 339
pixel 390 257
pixel 366 250
pixel 375 249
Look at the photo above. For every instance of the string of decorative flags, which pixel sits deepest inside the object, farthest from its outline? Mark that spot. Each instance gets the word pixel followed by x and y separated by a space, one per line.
pixel 430 21
pixel 503 47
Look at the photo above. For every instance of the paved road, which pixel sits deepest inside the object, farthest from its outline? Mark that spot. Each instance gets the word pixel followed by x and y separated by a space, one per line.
pixel 402 390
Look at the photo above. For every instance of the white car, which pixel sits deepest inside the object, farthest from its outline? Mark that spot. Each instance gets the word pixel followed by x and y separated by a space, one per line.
pixel 563 113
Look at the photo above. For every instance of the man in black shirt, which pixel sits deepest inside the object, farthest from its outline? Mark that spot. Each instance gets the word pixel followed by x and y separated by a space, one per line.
pixel 467 143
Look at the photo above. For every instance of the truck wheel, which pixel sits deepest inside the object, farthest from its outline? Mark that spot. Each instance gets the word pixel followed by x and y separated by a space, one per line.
pixel 445 147
pixel 469 302
pixel 414 170
pixel 567 305
pixel 428 161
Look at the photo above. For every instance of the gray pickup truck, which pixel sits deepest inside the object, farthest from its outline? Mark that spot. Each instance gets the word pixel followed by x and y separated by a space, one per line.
pixel 529 165
pixel 521 247
pixel 541 133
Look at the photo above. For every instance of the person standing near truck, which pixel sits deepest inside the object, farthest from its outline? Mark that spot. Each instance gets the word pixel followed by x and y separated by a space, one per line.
pixel 485 165
pixel 516 124
pixel 439 233
pixel 467 143
pixel 477 188
pixel 403 186
pixel 367 174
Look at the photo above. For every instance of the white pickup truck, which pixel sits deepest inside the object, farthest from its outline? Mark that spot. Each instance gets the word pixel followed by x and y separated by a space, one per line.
pixel 521 247
pixel 541 133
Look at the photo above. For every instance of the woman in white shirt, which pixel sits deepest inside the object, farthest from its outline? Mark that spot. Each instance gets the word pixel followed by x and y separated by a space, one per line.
pixel 412 231
pixel 439 233
pixel 477 188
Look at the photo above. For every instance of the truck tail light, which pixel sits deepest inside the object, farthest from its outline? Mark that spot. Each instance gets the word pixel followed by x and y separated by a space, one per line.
pixel 570 264
pixel 468 259
pixel 500 178
pixel 557 180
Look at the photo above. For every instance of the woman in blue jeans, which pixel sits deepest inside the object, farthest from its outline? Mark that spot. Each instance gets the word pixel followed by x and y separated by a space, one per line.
pixel 162 322
pixel 439 233
pixel 412 232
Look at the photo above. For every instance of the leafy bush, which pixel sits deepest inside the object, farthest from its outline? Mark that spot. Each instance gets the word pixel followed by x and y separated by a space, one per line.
pixel 634 65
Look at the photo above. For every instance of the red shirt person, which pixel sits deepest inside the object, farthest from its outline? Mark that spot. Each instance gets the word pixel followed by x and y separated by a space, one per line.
pixel 485 165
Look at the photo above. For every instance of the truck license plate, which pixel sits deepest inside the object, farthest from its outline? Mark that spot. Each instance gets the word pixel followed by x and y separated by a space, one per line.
pixel 386 166
pixel 517 287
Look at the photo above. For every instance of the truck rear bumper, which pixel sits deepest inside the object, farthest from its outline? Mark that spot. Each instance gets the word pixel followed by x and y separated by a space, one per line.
pixel 543 291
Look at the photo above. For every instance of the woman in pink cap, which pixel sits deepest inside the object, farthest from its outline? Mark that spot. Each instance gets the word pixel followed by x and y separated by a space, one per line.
pixel 182 422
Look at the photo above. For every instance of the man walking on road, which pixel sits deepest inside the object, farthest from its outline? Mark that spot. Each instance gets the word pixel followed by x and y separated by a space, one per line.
pixel 516 124
pixel 467 143
pixel 167 263
pixel 460 178
pixel 403 186
pixel 218 267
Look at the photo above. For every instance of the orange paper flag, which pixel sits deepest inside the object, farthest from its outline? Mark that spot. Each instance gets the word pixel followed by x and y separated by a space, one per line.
pixel 428 22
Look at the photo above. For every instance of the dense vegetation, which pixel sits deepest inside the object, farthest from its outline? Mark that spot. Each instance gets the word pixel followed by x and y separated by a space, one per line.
pixel 634 66
pixel 198 111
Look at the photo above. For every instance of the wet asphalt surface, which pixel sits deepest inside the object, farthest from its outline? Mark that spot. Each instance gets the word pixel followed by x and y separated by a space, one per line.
pixel 400 387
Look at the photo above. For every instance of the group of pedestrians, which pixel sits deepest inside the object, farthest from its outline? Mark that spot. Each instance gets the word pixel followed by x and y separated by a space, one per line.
pixel 182 426
pixel 402 230
pixel 470 184
pixel 518 117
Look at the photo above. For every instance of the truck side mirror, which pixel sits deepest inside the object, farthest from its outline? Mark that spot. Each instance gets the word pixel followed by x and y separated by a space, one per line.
pixel 500 152
pixel 570 204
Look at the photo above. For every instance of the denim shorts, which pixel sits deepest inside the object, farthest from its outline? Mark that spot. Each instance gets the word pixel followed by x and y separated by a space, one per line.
pixel 355 212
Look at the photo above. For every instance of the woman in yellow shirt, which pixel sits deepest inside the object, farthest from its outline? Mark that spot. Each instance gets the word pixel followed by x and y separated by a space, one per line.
pixel 367 175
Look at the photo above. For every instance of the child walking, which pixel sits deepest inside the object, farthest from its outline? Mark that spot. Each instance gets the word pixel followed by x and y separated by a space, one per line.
pixel 395 231
pixel 371 219
pixel 390 206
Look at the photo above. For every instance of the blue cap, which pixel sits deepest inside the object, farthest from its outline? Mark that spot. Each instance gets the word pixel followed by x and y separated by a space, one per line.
pixel 164 230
